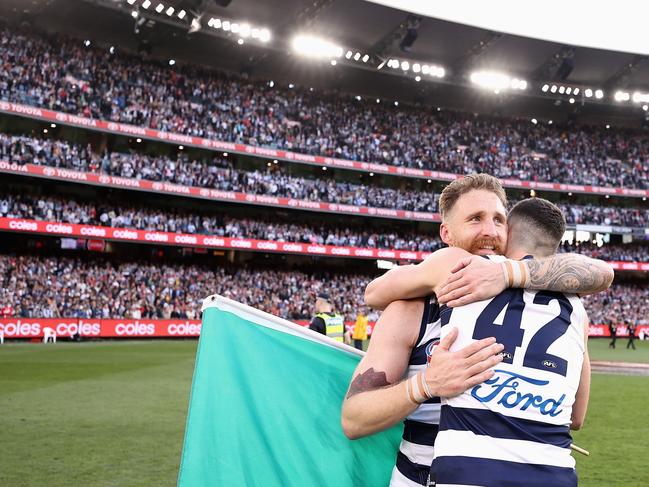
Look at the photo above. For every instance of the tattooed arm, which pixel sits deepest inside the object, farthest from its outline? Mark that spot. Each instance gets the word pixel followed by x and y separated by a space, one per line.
pixel 378 398
pixel 475 279
pixel 570 273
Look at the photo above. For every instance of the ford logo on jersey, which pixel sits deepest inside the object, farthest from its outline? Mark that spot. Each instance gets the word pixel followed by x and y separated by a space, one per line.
pixel 504 388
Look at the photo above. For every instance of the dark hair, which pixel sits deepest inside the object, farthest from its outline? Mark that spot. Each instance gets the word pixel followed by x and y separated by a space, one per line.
pixel 544 221
pixel 452 192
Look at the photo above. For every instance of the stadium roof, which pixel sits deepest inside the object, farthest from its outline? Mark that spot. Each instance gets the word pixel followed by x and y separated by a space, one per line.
pixel 363 27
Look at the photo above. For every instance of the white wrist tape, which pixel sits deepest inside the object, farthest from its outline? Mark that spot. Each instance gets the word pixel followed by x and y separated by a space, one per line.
pixel 417 389
pixel 515 273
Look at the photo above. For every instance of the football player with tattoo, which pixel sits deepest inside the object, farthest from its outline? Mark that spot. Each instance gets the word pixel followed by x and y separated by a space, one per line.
pixel 400 377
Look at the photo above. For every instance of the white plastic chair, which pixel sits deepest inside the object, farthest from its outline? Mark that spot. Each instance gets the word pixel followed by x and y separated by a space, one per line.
pixel 49 333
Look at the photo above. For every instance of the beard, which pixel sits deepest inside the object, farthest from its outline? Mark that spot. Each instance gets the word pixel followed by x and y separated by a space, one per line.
pixel 486 246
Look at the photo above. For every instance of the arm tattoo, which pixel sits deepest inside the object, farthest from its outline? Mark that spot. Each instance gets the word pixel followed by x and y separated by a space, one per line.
pixel 367 381
pixel 569 273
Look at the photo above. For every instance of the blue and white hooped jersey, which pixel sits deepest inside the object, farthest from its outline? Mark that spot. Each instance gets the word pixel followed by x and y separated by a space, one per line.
pixel 420 428
pixel 514 428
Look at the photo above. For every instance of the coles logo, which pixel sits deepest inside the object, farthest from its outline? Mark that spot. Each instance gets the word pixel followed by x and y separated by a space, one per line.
pixel 112 126
pixel 156 186
pixel 429 349
pixel 204 192
pixel 48 171
pixel 20 328
pixel 104 179
pixel 184 329
pixel 135 328
pixel 61 117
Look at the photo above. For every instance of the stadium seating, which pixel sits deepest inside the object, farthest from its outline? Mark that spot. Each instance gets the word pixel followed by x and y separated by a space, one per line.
pixel 63 74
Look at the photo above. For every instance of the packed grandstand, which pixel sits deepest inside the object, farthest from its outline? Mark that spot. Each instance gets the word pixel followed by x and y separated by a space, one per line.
pixel 57 273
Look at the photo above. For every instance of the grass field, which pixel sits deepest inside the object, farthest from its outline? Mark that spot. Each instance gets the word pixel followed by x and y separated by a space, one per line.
pixel 598 349
pixel 113 414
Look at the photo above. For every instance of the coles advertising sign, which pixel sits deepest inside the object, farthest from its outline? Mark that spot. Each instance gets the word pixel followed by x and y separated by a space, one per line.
pixel 98 328
pixel 145 328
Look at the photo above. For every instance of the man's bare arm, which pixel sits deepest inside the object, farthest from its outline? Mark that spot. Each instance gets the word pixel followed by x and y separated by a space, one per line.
pixel 474 279
pixel 413 281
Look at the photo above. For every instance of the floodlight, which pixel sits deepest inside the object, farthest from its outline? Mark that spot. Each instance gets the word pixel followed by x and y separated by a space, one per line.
pixel 545 88
pixel 146 4
pixel 160 8
pixel 181 14
pixel 599 94
pixel 264 35
pixel 170 11
pixel 622 96
pixel 316 47
pixel 492 80
pixel 588 92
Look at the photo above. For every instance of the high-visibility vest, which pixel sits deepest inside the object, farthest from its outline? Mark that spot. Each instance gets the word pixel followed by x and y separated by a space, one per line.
pixel 360 328
pixel 334 325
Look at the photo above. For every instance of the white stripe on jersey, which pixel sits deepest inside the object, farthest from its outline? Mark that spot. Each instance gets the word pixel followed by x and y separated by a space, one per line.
pixel 427 413
pixel 432 332
pixel 400 480
pixel 419 454
pixel 451 443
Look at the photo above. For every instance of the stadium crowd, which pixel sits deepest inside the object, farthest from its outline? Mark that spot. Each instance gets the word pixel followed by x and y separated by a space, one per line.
pixel 53 208
pixel 217 173
pixel 65 75
pixel 634 252
pixel 46 287
pixel 59 209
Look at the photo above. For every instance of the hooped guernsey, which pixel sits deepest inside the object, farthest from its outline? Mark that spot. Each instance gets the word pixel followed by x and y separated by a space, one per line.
pixel 420 428
pixel 513 429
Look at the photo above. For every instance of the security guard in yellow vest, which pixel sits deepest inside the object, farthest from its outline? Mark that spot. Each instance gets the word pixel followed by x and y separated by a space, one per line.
pixel 328 322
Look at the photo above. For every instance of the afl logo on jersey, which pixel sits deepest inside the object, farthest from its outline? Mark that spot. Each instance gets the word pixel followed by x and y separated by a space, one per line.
pixel 429 349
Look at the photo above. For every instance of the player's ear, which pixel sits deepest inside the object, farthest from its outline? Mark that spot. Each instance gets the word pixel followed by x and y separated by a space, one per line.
pixel 445 234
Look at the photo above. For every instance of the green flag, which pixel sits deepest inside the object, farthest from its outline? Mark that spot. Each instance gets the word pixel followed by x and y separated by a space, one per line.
pixel 265 407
